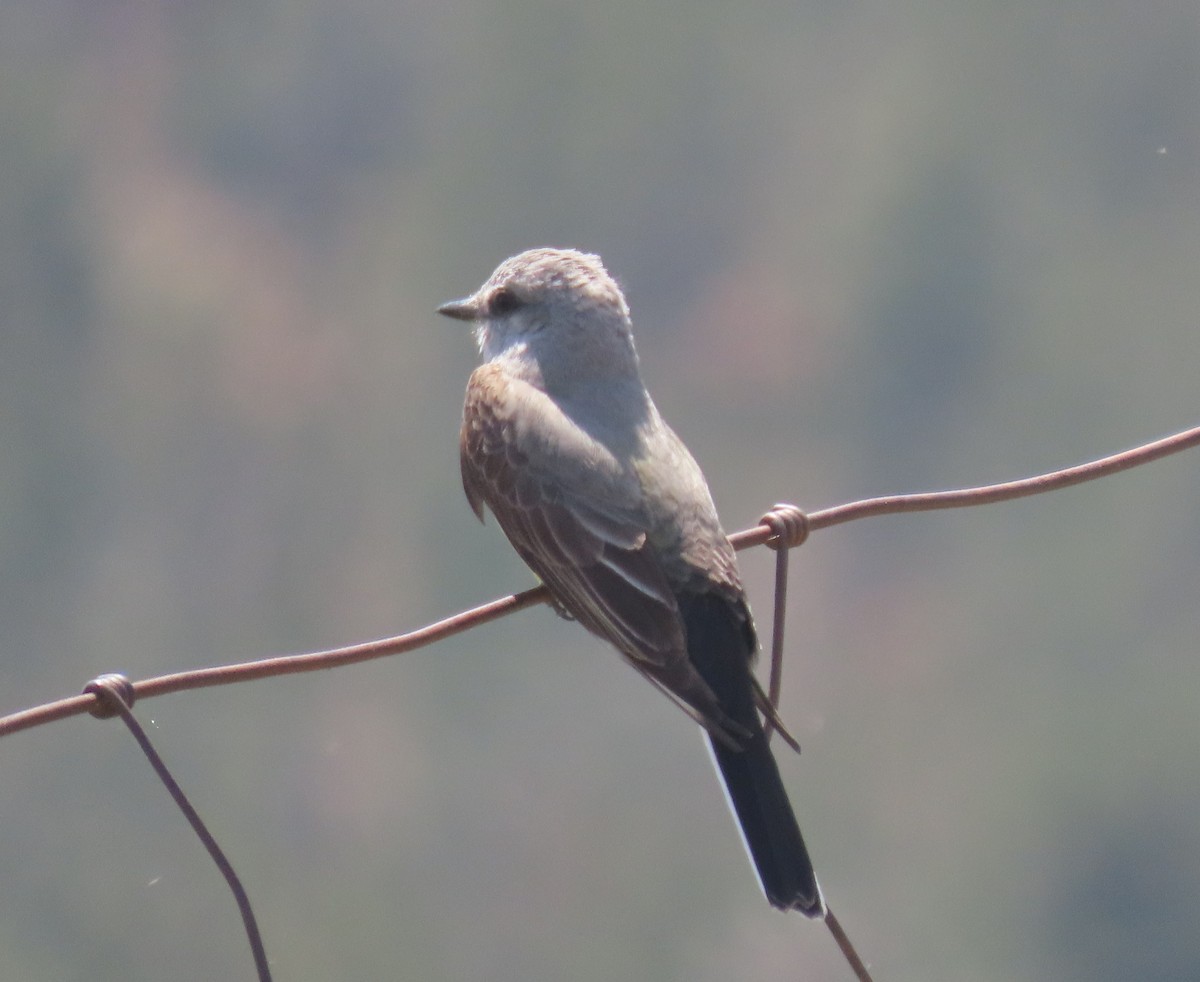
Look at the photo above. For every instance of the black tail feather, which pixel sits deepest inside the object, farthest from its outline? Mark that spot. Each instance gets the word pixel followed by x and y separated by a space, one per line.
pixel 719 649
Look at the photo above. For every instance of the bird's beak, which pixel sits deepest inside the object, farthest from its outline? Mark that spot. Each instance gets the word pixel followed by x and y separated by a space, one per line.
pixel 461 310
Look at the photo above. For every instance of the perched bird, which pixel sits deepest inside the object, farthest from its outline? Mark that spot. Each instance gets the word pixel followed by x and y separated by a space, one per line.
pixel 561 441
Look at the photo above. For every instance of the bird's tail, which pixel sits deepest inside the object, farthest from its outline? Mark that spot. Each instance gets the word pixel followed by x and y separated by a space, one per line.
pixel 769 828
pixel 718 649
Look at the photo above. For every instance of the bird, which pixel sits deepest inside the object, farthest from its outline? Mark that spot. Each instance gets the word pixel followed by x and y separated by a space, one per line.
pixel 561 441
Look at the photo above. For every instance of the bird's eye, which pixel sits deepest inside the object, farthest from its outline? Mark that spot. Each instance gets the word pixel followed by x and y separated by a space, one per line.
pixel 503 302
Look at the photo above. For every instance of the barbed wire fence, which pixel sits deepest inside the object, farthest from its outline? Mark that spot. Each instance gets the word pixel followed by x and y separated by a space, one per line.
pixel 783 528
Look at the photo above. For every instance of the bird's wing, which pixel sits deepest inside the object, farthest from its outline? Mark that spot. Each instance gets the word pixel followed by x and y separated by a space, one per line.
pixel 572 513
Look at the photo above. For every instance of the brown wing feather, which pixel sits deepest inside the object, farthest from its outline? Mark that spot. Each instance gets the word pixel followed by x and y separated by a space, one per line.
pixel 593 558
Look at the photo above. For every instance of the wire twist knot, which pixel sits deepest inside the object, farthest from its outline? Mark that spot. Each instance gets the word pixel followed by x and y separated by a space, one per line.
pixel 110 690
pixel 788 524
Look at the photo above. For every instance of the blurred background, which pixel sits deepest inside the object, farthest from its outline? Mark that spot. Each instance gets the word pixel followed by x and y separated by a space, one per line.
pixel 870 247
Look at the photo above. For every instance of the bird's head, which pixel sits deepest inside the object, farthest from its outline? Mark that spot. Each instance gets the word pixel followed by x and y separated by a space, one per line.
pixel 558 307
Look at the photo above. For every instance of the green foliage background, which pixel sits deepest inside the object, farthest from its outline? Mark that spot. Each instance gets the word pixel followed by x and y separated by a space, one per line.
pixel 870 247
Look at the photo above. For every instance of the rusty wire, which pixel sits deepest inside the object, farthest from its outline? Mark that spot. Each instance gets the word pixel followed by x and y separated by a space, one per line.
pixel 114 697
pixel 758 535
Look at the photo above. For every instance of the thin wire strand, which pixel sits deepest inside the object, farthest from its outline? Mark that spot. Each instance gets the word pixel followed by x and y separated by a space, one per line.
pixel 113 696
pixel 986 494
pixel 290 664
pixel 847 948
pixel 202 678
pixel 790 527
pixel 778 621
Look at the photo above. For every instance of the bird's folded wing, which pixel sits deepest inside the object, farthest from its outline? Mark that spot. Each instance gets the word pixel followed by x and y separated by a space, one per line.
pixel 572 512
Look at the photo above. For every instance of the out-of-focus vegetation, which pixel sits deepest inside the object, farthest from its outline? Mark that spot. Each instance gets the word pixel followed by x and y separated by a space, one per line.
pixel 870 247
